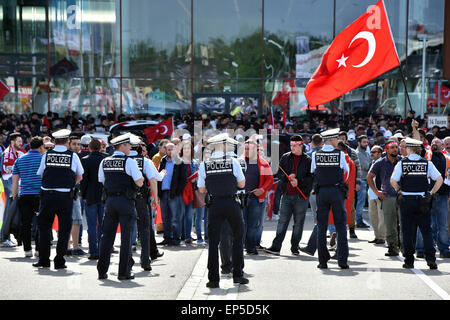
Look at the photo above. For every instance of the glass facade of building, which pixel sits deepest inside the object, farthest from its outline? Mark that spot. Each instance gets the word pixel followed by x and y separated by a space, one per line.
pixel 209 56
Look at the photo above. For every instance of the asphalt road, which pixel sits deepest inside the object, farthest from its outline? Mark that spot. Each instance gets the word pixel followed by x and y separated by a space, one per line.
pixel 182 274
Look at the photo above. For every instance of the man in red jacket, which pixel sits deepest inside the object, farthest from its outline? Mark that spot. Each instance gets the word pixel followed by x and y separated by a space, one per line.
pixel 259 180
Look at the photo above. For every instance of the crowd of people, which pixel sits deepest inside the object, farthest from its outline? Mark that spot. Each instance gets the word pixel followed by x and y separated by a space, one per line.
pixel 372 144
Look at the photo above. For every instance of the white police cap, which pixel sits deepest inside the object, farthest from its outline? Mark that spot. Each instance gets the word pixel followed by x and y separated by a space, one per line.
pixel 332 133
pixel 86 139
pixel 124 138
pixel 62 134
pixel 221 138
pixel 134 140
pixel 413 142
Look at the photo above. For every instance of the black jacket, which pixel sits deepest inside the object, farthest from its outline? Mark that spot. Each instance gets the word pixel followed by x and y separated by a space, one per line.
pixel 304 175
pixel 440 163
pixel 179 179
pixel 91 189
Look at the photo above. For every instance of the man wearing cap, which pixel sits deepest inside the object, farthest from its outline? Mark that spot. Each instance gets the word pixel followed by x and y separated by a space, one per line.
pixel 410 181
pixel 220 176
pixel 120 176
pixel 328 166
pixel 151 176
pixel 383 169
pixel 85 140
pixel 60 170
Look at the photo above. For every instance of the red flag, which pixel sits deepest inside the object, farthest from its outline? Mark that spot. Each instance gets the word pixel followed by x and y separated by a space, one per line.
pixel 271 121
pixel 4 90
pixel 362 51
pixel 445 93
pixel 159 131
pixel 270 199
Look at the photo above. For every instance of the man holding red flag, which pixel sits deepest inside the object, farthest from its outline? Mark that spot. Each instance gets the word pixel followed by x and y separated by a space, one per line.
pixel 361 52
pixel 159 131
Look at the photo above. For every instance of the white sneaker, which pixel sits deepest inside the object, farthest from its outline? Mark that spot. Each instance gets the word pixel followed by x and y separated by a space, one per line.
pixel 28 254
pixel 8 244
pixel 275 217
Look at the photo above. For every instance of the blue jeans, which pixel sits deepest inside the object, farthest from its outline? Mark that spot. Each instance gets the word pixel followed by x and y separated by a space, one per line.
pixel 94 218
pixel 187 218
pixel 252 217
pixel 361 200
pixel 261 225
pixel 170 212
pixel 290 206
pixel 439 226
pixel 7 185
pixel 200 213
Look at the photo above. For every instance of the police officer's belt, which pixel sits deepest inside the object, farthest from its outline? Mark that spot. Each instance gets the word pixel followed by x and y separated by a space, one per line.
pixel 55 192
pixel 115 194
pixel 413 197
pixel 224 197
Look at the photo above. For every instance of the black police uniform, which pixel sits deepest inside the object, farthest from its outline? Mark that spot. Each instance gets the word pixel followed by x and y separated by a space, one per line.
pixel 58 174
pixel 143 214
pixel 226 236
pixel 120 190
pixel 222 186
pixel 415 210
pixel 328 178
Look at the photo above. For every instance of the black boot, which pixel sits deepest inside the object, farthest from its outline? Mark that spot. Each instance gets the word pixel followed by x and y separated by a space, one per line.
pixel 352 233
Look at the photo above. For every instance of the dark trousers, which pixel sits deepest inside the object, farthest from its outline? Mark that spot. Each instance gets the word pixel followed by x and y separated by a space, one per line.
pixel 28 206
pixel 153 247
pixel 117 210
pixel 290 206
pixel 412 217
pixel 331 198
pixel 220 210
pixel 226 243
pixel 143 225
pixel 60 203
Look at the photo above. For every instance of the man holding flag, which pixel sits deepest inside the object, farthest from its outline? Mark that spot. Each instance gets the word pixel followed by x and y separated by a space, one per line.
pixel 295 182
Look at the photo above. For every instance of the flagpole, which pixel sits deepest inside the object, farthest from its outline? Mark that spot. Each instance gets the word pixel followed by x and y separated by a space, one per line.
pixel 406 89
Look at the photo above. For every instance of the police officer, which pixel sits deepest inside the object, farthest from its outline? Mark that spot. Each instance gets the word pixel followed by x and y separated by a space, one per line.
pixel 120 175
pixel 226 235
pixel 410 180
pixel 60 170
pixel 151 175
pixel 328 166
pixel 220 176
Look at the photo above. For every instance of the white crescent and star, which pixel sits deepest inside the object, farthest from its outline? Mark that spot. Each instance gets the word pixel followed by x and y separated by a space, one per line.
pixel 372 46
pixel 165 130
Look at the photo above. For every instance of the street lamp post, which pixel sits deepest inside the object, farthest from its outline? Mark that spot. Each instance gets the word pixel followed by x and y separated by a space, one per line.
pixel 423 37
pixel 237 74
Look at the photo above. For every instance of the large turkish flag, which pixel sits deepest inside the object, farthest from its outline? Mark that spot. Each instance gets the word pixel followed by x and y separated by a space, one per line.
pixel 362 51
pixel 159 131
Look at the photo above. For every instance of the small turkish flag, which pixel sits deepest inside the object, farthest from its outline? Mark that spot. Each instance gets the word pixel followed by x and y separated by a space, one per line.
pixel 445 93
pixel 159 131
pixel 4 90
pixel 361 52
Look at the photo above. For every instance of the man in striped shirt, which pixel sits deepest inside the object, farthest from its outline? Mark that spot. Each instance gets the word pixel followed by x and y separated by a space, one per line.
pixel 25 169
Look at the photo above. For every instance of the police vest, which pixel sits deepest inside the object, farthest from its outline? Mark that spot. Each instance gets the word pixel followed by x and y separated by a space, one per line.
pixel 328 168
pixel 414 175
pixel 116 178
pixel 58 173
pixel 140 162
pixel 220 180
